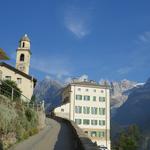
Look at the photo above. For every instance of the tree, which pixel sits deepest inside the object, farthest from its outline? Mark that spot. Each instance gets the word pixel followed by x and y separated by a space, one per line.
pixel 129 139
pixel 3 55
pixel 6 88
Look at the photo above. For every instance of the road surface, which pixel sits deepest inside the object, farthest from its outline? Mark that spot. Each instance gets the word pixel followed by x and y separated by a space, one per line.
pixel 55 136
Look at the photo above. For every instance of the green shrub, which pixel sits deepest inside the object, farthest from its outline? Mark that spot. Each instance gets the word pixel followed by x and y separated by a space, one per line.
pixel 6 89
pixel 7 119
pixel 17 118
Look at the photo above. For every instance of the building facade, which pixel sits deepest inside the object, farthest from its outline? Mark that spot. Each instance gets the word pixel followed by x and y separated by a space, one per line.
pixel 88 104
pixel 20 74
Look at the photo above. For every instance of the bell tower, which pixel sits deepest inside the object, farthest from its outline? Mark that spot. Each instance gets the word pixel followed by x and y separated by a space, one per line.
pixel 23 54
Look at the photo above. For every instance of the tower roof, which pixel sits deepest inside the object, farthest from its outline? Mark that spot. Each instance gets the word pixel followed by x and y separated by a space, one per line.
pixel 25 38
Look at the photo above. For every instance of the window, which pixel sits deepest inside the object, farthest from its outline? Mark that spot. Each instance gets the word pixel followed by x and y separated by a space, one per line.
pixel 86 121
pixel 94 98
pixel 101 134
pixel 102 111
pixel 101 122
pixel 78 121
pixel 102 99
pixel 23 44
pixel 19 80
pixel 22 57
pixel 93 122
pixel 62 110
pixel 87 90
pixel 102 91
pixel 94 90
pixel 79 89
pixel 8 77
pixel 86 98
pixel 86 110
pixel 93 110
pixel 93 133
pixel 78 109
pixel 78 97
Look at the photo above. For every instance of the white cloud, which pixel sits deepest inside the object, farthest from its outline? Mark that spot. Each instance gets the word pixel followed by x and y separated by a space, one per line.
pixel 56 66
pixel 140 57
pixel 77 22
pixel 124 71
pixel 48 77
pixel 83 77
pixel 145 37
pixel 68 80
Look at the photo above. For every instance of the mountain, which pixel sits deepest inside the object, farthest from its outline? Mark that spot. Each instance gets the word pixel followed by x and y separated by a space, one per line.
pixel 136 109
pixel 50 91
pixel 119 91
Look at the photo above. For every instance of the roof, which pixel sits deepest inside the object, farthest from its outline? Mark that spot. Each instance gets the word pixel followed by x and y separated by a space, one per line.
pixel 89 84
pixel 25 38
pixel 18 71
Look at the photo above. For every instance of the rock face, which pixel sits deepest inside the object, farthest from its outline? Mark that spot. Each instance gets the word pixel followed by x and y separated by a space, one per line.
pixel 120 91
pixel 49 91
pixel 136 110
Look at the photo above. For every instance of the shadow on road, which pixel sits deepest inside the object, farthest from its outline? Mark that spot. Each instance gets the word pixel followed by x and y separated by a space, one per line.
pixel 65 139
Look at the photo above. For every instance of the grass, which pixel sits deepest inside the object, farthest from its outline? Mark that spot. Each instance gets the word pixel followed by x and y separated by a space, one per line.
pixel 17 119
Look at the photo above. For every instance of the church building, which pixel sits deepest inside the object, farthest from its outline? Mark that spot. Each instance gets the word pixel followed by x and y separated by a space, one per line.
pixel 20 74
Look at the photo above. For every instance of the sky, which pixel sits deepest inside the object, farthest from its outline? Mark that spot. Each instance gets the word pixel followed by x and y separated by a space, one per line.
pixel 100 39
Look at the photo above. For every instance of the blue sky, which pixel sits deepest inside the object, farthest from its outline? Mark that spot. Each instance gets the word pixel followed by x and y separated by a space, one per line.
pixel 69 38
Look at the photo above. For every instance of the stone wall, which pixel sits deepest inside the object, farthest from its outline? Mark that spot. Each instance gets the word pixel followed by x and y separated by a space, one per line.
pixel 81 140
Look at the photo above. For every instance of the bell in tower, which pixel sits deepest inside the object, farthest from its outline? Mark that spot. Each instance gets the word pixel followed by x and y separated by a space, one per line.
pixel 23 55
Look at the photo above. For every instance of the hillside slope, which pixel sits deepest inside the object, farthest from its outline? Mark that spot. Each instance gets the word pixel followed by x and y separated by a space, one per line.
pixel 136 109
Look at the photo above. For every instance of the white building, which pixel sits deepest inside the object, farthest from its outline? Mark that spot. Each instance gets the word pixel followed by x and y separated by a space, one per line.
pixel 88 104
pixel 20 74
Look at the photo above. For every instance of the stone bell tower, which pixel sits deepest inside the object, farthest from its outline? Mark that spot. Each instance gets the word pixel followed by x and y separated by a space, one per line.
pixel 23 54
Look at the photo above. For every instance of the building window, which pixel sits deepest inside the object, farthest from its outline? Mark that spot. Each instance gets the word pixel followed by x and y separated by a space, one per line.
pixel 78 109
pixel 93 122
pixel 86 110
pixel 8 77
pixel 94 90
pixel 102 91
pixel 93 134
pixel 101 134
pixel 23 44
pixel 94 98
pixel 19 80
pixel 86 121
pixel 86 132
pixel 94 110
pixel 79 89
pixel 22 57
pixel 86 98
pixel 62 110
pixel 78 97
pixel 102 111
pixel 102 99
pixel 87 90
pixel 78 121
pixel 101 122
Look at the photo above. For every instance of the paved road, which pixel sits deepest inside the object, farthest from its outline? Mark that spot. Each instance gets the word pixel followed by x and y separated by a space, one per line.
pixel 56 136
